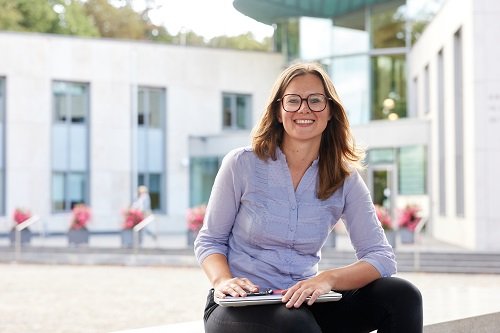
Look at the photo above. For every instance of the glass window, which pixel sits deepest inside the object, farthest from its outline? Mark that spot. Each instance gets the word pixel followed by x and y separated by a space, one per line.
pixel 236 111
pixel 68 189
pixel 202 176
pixel 388 87
pixel 387 25
pixel 58 201
pixel 381 156
pixel 286 38
pixel 151 143
pixel 459 125
pixel 441 146
pixel 412 170
pixel 150 106
pixel 70 101
pixel 427 91
pixel 154 184
pixel 2 145
pixel 350 76
pixel 70 156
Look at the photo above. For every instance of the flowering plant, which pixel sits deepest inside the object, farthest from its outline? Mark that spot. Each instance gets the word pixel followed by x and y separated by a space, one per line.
pixel 384 217
pixel 409 217
pixel 21 215
pixel 132 218
pixel 195 217
pixel 81 217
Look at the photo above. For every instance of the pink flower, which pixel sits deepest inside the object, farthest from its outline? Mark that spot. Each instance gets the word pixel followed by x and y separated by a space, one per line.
pixel 132 218
pixel 81 217
pixel 409 217
pixel 21 215
pixel 195 217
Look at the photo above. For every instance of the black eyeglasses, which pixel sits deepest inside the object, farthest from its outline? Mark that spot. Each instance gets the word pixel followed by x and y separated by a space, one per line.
pixel 293 102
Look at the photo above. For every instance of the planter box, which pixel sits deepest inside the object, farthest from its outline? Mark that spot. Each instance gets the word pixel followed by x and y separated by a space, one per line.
pixel 127 237
pixel 191 236
pixel 78 237
pixel 25 236
pixel 406 236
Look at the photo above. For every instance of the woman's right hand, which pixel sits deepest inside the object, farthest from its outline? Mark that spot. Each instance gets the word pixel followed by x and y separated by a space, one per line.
pixel 235 287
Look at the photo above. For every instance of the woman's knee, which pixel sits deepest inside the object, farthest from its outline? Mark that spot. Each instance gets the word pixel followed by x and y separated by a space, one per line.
pixel 405 291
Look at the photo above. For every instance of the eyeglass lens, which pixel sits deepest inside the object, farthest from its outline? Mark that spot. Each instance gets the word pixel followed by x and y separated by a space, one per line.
pixel 293 102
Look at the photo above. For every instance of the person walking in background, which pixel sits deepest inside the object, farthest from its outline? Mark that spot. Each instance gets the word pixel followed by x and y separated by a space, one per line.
pixel 143 203
pixel 271 209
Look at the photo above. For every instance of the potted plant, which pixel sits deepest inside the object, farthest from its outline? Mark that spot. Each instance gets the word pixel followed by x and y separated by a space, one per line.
pixel 20 215
pixel 385 220
pixel 194 219
pixel 78 234
pixel 408 220
pixel 132 217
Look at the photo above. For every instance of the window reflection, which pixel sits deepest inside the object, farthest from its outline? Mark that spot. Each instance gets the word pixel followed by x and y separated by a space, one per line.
pixel 388 25
pixel 236 111
pixel 69 145
pixel 150 143
pixel 70 102
pixel 388 87
pixel 2 145
pixel 149 106
pixel 202 175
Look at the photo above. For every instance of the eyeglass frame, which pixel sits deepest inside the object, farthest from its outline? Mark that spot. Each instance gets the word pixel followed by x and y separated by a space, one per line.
pixel 302 100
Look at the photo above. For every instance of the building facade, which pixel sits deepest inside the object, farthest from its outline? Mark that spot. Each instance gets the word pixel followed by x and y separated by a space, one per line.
pixel 88 120
pixel 420 87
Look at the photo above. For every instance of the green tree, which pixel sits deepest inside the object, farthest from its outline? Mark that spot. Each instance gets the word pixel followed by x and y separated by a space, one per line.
pixel 27 15
pixel 107 18
pixel 38 15
pixel 242 42
pixel 10 16
pixel 73 19
pixel 116 22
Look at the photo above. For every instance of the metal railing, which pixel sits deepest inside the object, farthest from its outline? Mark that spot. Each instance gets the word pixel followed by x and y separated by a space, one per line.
pixel 138 228
pixel 417 232
pixel 17 233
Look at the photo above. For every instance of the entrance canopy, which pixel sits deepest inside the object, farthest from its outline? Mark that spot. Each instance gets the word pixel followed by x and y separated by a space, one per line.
pixel 272 11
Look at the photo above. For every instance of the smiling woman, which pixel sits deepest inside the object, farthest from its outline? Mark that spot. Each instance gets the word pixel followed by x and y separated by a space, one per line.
pixel 272 208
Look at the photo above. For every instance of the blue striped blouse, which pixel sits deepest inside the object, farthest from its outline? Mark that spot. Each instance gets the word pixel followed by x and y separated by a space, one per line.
pixel 272 234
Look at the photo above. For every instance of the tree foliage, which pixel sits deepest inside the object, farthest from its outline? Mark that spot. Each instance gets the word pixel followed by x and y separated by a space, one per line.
pixel 106 18
pixel 241 42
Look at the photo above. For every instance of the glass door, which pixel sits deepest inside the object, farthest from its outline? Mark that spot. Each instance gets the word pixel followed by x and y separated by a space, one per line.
pixel 382 182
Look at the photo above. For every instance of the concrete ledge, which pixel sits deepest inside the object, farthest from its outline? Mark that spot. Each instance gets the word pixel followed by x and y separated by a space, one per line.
pixel 480 324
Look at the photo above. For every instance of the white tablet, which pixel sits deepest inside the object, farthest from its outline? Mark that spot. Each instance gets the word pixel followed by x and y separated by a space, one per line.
pixel 269 299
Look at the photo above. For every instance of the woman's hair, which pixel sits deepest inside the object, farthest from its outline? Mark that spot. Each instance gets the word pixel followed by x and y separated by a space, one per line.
pixel 338 153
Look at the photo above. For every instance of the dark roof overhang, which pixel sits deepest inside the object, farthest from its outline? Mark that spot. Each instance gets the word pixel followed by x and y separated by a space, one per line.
pixel 273 11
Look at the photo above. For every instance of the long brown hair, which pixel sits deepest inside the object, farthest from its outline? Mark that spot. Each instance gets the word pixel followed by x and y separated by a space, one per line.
pixel 338 154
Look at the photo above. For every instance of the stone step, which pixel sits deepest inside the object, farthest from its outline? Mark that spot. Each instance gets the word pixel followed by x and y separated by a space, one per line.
pixel 437 262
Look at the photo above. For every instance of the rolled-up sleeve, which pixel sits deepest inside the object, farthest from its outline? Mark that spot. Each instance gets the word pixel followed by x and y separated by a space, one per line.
pixel 366 234
pixel 221 210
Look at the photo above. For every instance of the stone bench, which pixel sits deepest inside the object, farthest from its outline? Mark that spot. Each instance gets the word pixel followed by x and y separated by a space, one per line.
pixel 479 324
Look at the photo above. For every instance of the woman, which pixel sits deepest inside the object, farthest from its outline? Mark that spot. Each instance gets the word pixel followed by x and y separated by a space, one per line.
pixel 271 209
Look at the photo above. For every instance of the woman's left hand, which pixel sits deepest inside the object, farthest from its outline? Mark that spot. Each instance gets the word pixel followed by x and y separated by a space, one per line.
pixel 313 288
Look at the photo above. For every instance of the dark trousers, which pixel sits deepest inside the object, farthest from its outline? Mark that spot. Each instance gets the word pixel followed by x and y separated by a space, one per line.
pixel 387 305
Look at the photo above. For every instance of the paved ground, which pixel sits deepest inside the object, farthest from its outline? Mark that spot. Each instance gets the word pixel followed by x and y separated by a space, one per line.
pixel 57 299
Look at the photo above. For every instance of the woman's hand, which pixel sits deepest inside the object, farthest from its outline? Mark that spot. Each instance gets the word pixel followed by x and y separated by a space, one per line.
pixel 235 287
pixel 313 288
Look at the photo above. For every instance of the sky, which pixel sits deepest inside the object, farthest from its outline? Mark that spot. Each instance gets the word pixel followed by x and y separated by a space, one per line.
pixel 208 18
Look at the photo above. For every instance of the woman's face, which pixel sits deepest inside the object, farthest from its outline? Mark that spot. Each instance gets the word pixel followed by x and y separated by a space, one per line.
pixel 304 124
